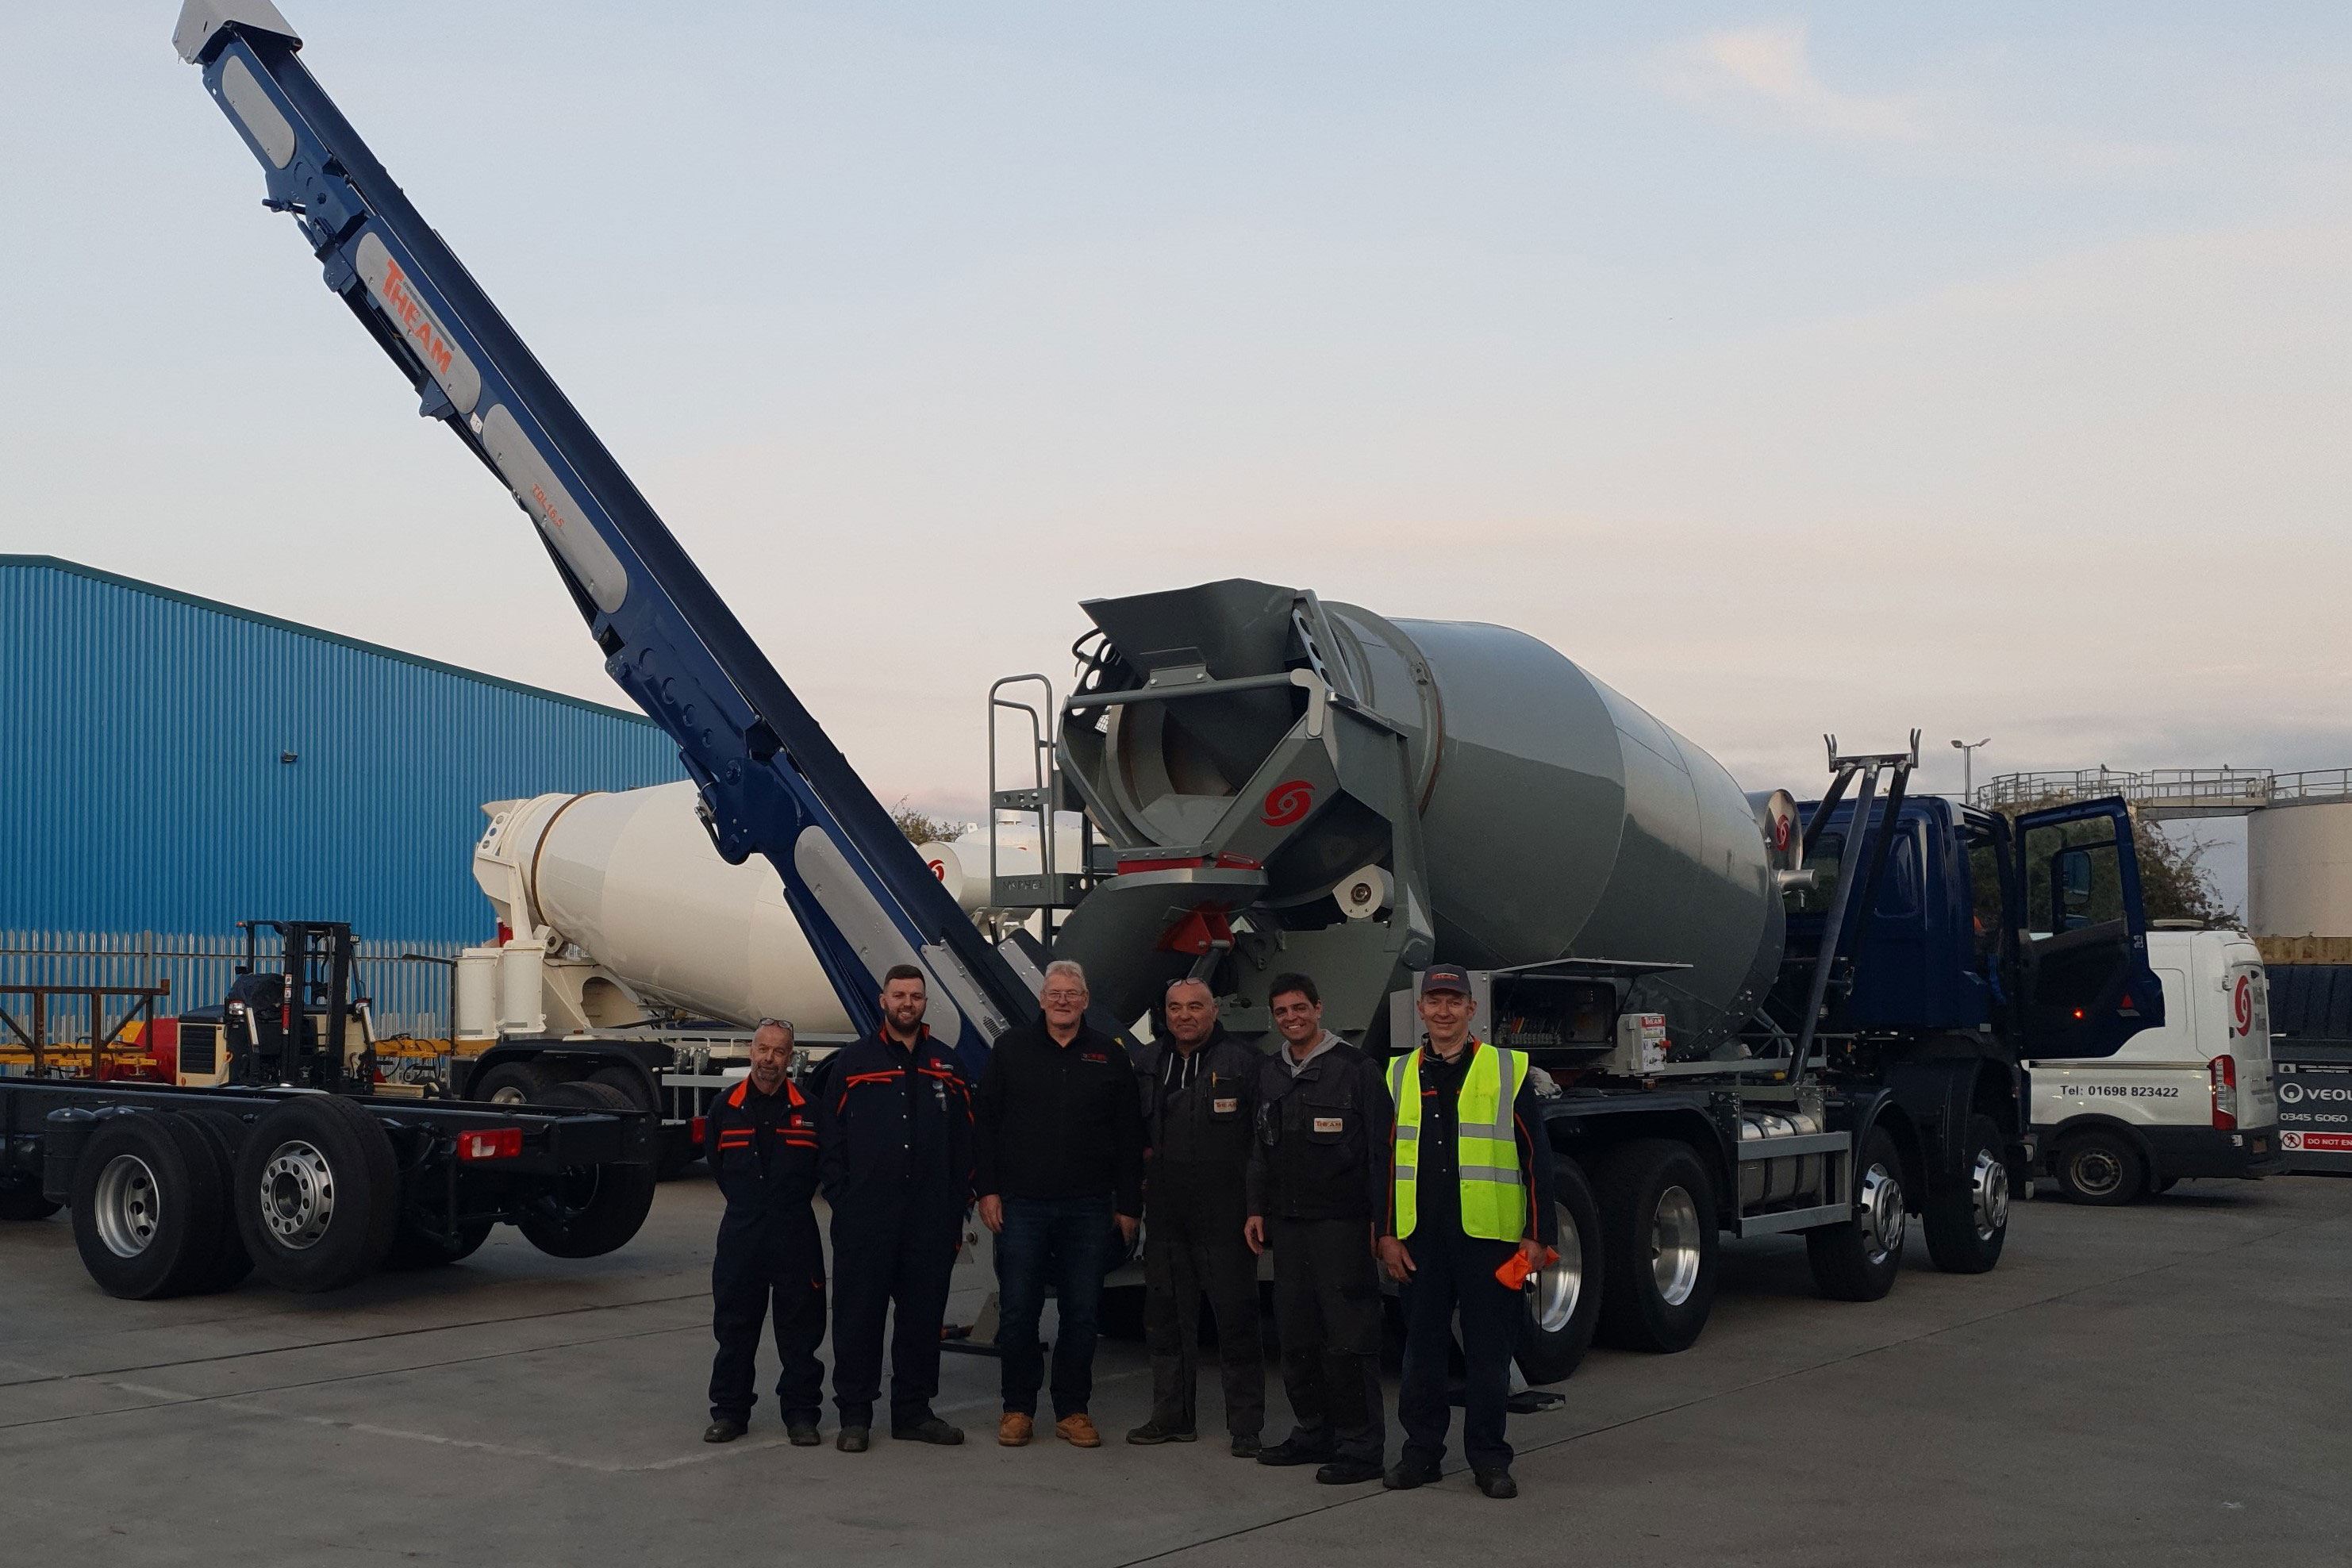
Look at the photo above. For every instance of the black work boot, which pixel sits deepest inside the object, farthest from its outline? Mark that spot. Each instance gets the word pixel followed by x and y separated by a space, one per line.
pixel 802 1434
pixel 853 1439
pixel 1153 1432
pixel 1496 1483
pixel 1348 1472
pixel 724 1430
pixel 926 1428
pixel 1407 1474
pixel 1290 1451
pixel 1247 1445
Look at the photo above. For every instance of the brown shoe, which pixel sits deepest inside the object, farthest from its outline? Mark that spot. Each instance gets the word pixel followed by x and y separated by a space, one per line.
pixel 1078 1431
pixel 1014 1429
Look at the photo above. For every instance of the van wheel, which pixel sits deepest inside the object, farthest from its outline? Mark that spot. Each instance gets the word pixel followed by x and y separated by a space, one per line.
pixel 318 1194
pixel 2098 1166
pixel 586 1211
pixel 1564 1299
pixel 513 1083
pixel 1658 1248
pixel 1968 1223
pixel 1860 1261
pixel 148 1207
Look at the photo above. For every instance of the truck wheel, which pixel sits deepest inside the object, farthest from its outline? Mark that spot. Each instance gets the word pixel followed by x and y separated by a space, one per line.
pixel 26 1202
pixel 224 1132
pixel 513 1083
pixel 628 1080
pixel 1658 1247
pixel 413 1249
pixel 587 1211
pixel 1564 1299
pixel 1966 1224
pixel 148 1207
pixel 318 1194
pixel 2098 1166
pixel 1858 1261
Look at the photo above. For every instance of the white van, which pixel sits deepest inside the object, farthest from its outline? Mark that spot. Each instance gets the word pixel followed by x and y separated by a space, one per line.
pixel 2191 1098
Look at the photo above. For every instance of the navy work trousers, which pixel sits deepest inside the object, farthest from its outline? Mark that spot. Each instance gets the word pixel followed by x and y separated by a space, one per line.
pixel 1065 1242
pixel 774 1268
pixel 1457 1272
pixel 892 1259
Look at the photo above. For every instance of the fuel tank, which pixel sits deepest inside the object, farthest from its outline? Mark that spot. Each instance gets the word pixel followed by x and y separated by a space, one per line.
pixel 1554 817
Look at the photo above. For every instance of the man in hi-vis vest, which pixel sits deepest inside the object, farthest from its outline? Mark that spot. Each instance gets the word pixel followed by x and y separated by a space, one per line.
pixel 1469 1197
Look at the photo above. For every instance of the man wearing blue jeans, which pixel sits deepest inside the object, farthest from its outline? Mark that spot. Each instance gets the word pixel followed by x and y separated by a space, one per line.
pixel 1058 1135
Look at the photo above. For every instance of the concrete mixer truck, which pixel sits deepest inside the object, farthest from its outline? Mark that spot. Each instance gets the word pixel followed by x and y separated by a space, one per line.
pixel 1280 781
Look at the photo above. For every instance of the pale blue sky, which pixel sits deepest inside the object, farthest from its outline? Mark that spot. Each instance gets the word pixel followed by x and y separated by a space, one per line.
pixel 1982 368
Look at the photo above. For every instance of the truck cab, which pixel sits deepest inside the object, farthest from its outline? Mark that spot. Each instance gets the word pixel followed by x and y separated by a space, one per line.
pixel 2029 931
pixel 2190 1096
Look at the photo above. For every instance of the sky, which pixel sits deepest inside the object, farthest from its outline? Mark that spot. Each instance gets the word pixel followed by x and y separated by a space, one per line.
pixel 1980 369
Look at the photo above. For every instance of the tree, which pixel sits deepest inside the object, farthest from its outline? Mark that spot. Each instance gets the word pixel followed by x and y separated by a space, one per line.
pixel 2173 879
pixel 921 827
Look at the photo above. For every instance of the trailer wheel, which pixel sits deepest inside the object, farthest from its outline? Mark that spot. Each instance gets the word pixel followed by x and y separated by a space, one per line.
pixel 318 1194
pixel 587 1211
pixel 1966 1224
pixel 2098 1166
pixel 1859 1261
pixel 1564 1299
pixel 26 1202
pixel 513 1083
pixel 148 1207
pixel 1658 1247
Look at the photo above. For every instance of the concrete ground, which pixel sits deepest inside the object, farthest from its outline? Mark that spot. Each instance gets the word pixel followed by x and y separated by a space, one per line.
pixel 2164 1384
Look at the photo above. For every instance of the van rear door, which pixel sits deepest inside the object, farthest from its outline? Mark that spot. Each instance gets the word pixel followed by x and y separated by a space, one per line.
pixel 2249 995
pixel 2082 986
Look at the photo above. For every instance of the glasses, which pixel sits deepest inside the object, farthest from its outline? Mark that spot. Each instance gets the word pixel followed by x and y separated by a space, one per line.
pixel 784 1024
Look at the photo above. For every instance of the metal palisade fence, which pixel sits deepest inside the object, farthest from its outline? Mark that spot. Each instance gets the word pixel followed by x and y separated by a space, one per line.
pixel 407 996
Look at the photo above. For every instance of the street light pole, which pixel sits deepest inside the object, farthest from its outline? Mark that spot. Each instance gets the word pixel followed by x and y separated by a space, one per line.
pixel 1968 750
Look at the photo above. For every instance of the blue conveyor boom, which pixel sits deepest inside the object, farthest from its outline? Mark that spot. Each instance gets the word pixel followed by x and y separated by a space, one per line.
pixel 773 783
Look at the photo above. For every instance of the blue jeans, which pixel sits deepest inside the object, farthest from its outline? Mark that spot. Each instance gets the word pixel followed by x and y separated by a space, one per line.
pixel 1065 1242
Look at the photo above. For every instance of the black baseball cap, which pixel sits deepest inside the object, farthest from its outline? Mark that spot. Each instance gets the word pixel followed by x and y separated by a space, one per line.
pixel 1445 977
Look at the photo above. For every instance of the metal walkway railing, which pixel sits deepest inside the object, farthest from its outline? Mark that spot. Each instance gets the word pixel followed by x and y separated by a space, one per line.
pixel 2160 792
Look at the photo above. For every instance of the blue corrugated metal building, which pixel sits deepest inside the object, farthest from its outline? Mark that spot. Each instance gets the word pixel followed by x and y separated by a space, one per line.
pixel 170 765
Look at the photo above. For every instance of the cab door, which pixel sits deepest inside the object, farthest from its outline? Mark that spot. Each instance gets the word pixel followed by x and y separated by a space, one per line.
pixel 2083 983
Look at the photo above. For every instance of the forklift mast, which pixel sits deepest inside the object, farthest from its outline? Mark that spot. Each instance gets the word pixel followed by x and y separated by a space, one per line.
pixel 773 783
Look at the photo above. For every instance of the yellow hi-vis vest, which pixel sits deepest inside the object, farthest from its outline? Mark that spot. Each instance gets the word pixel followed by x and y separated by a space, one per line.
pixel 1487 1146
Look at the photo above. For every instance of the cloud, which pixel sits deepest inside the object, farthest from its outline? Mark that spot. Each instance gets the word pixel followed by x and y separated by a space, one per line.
pixel 1762 75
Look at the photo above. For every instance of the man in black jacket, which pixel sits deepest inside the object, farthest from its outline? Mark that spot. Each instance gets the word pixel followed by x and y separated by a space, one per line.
pixel 1199 1104
pixel 1317 1188
pixel 897 1144
pixel 1060 1144
pixel 761 1139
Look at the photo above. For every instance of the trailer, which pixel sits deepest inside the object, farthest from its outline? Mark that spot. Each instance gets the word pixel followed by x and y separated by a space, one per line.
pixel 280 1150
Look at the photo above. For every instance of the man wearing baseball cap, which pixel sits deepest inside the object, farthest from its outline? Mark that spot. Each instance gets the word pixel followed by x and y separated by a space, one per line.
pixel 1469 1201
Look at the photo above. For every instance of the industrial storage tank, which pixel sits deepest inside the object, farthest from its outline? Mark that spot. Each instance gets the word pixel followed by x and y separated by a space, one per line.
pixel 1556 818
pixel 2299 869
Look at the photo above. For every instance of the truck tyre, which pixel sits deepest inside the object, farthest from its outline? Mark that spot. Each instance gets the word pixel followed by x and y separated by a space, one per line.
pixel 1658 1247
pixel 148 1207
pixel 1564 1299
pixel 1966 1224
pixel 1859 1261
pixel 26 1202
pixel 2099 1166
pixel 413 1249
pixel 513 1083
pixel 224 1132
pixel 318 1194
pixel 630 1081
pixel 586 1211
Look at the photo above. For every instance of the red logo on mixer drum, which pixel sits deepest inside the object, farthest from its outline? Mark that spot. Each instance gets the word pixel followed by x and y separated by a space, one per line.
pixel 1288 802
